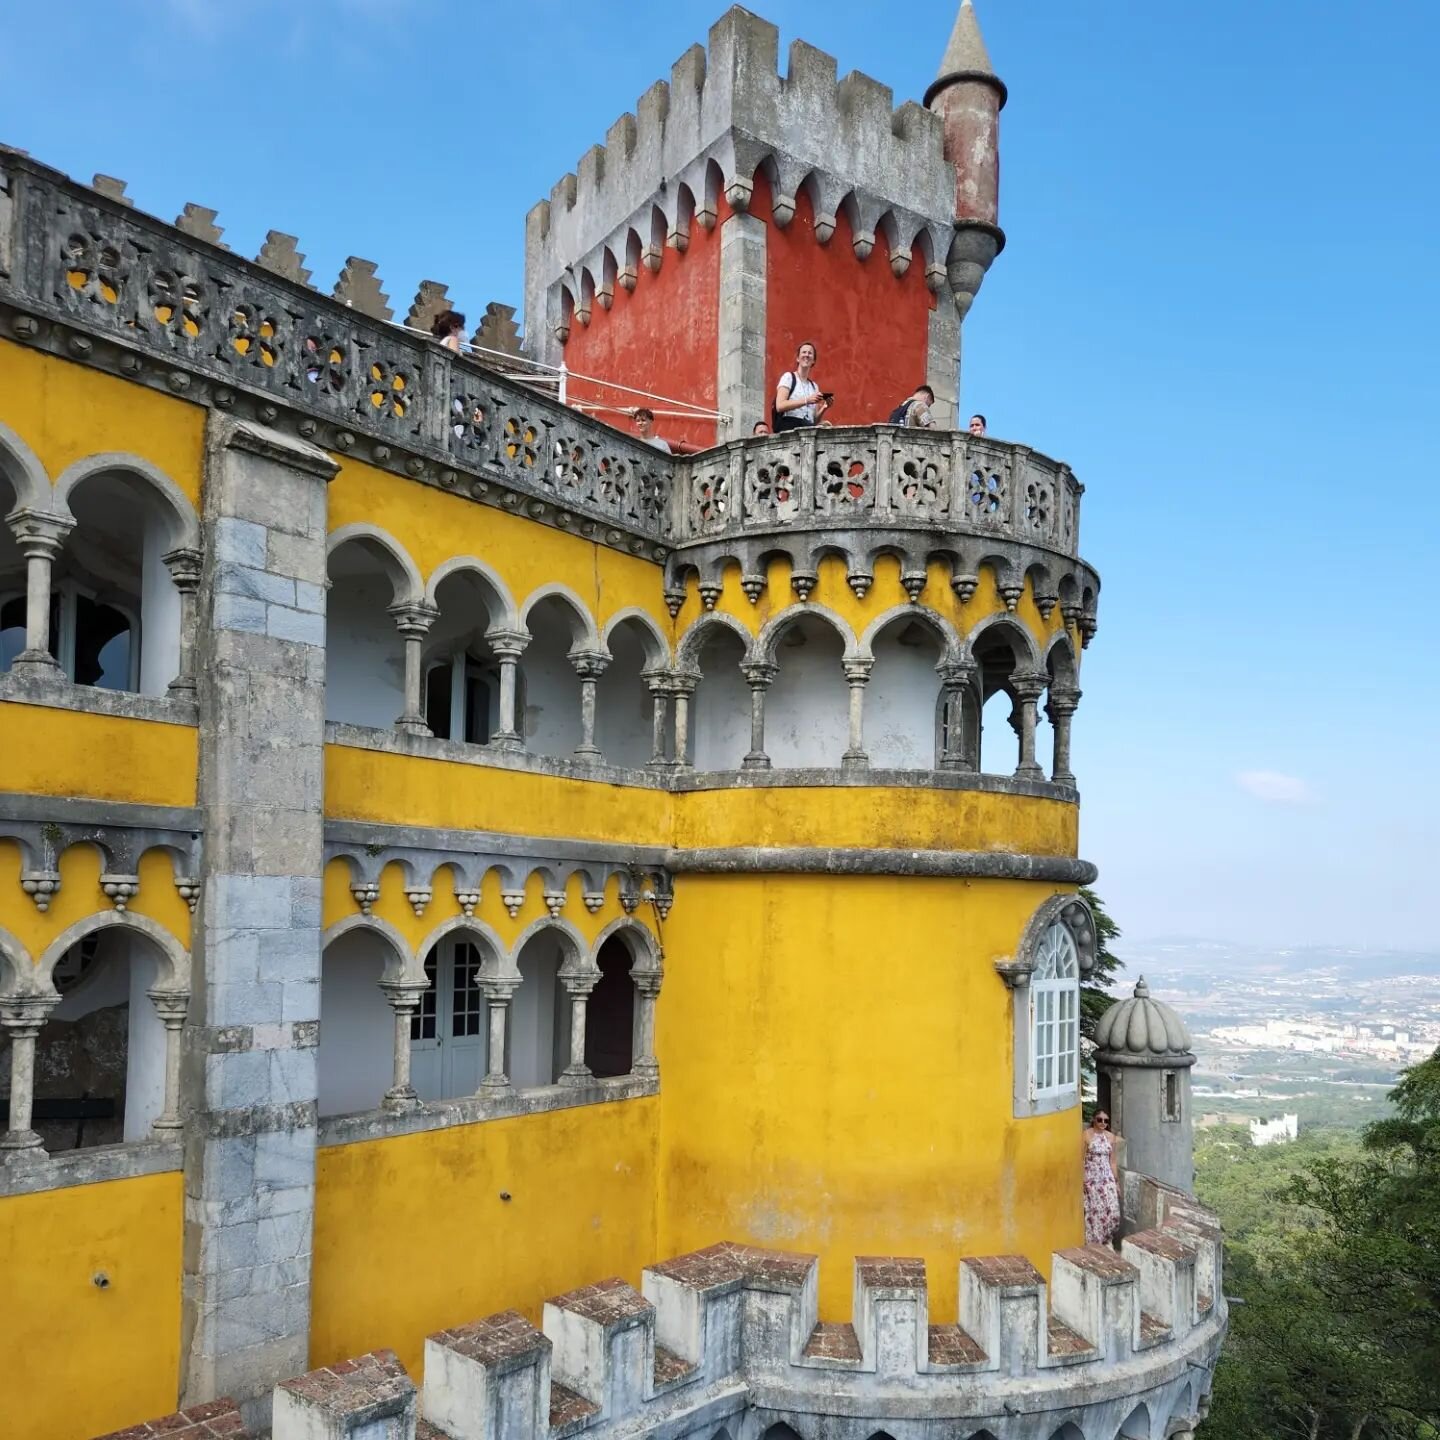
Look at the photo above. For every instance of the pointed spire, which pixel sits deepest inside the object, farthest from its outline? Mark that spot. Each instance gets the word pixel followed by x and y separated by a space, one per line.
pixel 965 56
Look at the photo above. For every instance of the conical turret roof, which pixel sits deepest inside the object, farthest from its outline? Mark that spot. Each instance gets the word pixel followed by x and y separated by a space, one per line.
pixel 1140 1028
pixel 965 56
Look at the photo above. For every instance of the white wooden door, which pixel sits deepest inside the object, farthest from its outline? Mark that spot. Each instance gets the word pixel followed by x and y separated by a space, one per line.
pixel 447 1035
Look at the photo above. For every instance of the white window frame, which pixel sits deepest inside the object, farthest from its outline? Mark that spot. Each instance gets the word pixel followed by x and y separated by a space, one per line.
pixel 1055 1016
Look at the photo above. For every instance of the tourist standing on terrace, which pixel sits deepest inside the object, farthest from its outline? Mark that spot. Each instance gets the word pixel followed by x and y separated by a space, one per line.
pixel 799 401
pixel 1101 1151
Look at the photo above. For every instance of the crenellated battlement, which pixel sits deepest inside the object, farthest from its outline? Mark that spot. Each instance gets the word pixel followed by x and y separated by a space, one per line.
pixel 726 114
pixel 734 1329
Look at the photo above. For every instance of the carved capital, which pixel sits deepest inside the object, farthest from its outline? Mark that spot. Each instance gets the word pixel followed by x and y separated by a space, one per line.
pixel 507 644
pixel 39 534
pixel 759 674
pixel 589 664
pixel 413 618
pixel 857 671
pixel 171 1006
pixel 184 564
pixel 1029 687
pixel 1062 702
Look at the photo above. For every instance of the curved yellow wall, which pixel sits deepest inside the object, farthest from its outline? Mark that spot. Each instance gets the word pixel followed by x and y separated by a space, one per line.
pixel 77 1360
pixel 836 1071
pixel 411 1235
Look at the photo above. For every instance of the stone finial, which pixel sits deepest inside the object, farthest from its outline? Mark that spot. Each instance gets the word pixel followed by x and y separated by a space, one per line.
pixel 498 330
pixel 431 301
pixel 280 256
pixel 115 189
pixel 199 221
pixel 359 288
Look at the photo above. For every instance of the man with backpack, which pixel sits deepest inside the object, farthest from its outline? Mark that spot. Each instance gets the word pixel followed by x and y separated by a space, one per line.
pixel 915 412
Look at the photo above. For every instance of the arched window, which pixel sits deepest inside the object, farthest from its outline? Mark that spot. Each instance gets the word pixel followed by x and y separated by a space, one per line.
pixel 1055 1014
pixel 95 643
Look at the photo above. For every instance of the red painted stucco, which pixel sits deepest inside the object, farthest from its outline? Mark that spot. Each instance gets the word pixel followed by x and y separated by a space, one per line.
pixel 663 337
pixel 872 330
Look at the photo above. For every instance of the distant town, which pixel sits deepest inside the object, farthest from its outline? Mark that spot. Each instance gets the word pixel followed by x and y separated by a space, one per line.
pixel 1290 1039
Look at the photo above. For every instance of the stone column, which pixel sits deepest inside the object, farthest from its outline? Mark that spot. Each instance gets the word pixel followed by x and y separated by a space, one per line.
pixel 740 362
pixel 171 1006
pixel 413 619
pixel 658 683
pixel 647 991
pixel 942 355
pixel 498 994
pixel 403 997
pixel 1061 708
pixel 589 666
pixel 956 677
pixel 507 646
pixel 184 567
pixel 249 1066
pixel 682 687
pixel 759 674
pixel 21 1017
pixel 41 537
pixel 857 676
pixel 1028 690
pixel 578 988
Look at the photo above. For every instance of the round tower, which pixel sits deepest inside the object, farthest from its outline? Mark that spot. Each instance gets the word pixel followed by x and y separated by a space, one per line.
pixel 968 96
pixel 1143 1057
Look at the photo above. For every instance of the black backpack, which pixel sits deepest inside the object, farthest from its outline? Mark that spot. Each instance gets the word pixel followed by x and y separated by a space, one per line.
pixel 898 414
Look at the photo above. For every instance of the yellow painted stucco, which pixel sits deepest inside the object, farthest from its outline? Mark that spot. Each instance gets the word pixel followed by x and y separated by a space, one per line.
pixel 412 1235
pixel 80 895
pixel 103 757
pixel 78 1360
pixel 434 526
pixel 836 1064
pixel 66 412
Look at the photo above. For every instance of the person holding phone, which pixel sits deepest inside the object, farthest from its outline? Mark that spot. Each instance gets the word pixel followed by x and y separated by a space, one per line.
pixel 799 400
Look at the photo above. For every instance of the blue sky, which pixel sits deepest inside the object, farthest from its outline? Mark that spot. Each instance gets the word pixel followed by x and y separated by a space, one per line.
pixel 1220 303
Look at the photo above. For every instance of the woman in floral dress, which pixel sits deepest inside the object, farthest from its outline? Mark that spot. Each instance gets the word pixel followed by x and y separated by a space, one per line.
pixel 1102 1181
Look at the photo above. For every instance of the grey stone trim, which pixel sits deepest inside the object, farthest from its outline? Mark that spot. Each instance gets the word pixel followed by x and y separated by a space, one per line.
pixel 95 1166
pixel 23 808
pixel 807 779
pixel 476 1109
pixel 957 864
pixel 19 688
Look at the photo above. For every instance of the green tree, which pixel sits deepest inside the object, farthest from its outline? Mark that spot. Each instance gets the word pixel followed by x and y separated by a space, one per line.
pixel 1095 996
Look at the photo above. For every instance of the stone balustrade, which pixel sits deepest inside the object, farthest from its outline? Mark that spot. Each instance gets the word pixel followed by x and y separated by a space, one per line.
pixel 734 1329
pixel 85 275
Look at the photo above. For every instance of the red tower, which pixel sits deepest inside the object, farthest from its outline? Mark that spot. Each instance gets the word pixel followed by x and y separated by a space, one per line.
pixel 739 212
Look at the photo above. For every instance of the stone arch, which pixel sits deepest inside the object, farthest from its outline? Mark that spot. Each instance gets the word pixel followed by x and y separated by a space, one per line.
pixel 692 642
pixel 644 948
pixel 506 616
pixel 1060 660
pixel 578 957
pixel 184 524
pixel 17 971
pixel 780 1431
pixel 400 964
pixel 609 273
pixel 1069 910
pixel 951 644
pixel 657 652
pixel 887 231
pixel 399 568
pixel 584 632
pixel 174 957
pixel 1136 1425
pixel 498 959
pixel 1068 1431
pixel 22 468
pixel 763 647
pixel 1182 1411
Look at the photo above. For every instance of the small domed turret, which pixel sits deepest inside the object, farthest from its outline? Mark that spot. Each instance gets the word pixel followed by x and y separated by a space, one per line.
pixel 1142 1062
pixel 1141 1030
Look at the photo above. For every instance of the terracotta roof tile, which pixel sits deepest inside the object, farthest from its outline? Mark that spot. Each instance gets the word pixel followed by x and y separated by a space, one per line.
pixel 1100 1260
pixel 1162 1242
pixel 1152 1329
pixel 950 1345
pixel 566 1407
pixel 607 1302
pixel 353 1384
pixel 833 1342
pixel 1007 1270
pixel 1065 1342
pixel 669 1366
pixel 890 1272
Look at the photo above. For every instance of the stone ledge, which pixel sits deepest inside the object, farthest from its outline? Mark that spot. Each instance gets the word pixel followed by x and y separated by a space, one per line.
pixel 476 1109
pixel 62 695
pixel 814 860
pixel 38 1171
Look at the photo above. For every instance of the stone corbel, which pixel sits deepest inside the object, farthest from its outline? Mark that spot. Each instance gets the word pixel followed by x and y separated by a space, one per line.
pixel 467 900
pixel 900 258
pixel 782 210
pixel 512 900
pixel 1015 973
pixel 41 886
pixel 366 894
pixel 863 242
pixel 824 227
pixel 627 278
pixel 652 257
pixel 738 193
pixel 120 890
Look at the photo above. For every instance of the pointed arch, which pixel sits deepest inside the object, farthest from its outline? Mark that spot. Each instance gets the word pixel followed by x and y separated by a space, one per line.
pixel 657 651
pixel 765 642
pixel 17 970
pixel 399 568
pixel 583 625
pixel 692 642
pixel 400 964
pixel 644 948
pixel 174 957
pixel 1136 1425
pixel 183 524
pixel 20 465
pixel 490 582
pixel 1061 662
pixel 950 641
pixel 477 930
pixel 577 957
pixel 1004 627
